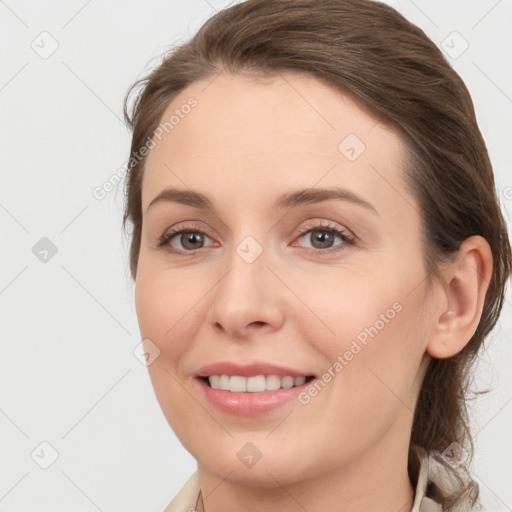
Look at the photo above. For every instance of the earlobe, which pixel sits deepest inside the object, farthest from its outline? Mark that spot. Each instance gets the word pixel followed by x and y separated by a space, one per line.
pixel 460 309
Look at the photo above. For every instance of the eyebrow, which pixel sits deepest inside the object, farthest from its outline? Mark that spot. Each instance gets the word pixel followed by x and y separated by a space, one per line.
pixel 287 200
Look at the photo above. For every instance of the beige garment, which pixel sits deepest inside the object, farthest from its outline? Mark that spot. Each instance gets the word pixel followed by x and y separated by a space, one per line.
pixel 186 499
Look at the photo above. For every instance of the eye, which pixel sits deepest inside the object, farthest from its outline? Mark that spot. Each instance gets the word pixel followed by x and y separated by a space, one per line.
pixel 189 237
pixel 322 238
pixel 186 240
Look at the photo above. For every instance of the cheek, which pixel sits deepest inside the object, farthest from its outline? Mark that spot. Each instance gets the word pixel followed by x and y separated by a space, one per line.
pixel 342 308
pixel 166 316
pixel 372 336
pixel 149 304
pixel 165 303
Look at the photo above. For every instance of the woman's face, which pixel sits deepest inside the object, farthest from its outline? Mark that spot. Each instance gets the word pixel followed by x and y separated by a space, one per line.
pixel 277 270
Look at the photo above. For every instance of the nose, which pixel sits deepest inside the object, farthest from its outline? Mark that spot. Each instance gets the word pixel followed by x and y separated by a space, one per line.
pixel 248 299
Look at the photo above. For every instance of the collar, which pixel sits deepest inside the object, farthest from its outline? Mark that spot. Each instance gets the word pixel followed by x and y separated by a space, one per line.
pixel 422 502
pixel 186 498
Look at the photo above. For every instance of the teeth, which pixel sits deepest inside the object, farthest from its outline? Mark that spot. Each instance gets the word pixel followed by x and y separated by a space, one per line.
pixel 256 384
pixel 298 381
pixel 237 384
pixel 287 382
pixel 272 382
pixel 223 382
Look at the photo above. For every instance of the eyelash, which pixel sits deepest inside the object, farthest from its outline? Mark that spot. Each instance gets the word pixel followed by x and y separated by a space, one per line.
pixel 164 240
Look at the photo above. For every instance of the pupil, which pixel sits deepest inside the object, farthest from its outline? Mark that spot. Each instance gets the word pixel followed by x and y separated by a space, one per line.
pixel 191 238
pixel 323 237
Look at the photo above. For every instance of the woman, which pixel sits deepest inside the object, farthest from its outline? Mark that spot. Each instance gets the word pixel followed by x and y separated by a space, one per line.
pixel 319 253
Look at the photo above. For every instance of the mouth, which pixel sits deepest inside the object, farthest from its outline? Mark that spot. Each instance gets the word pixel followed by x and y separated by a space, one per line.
pixel 254 384
pixel 251 388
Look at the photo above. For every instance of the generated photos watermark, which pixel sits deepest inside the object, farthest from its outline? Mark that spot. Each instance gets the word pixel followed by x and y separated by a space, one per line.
pixel 101 191
pixel 357 344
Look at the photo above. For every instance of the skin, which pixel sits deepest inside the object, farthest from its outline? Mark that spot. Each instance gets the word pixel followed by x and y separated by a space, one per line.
pixel 246 142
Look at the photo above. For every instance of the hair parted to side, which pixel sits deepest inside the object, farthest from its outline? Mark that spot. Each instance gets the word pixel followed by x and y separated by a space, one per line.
pixel 368 50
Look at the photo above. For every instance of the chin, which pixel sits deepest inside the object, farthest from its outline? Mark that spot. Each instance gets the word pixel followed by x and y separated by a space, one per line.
pixel 243 463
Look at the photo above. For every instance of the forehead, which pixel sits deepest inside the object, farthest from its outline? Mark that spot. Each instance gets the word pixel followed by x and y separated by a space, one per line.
pixel 269 133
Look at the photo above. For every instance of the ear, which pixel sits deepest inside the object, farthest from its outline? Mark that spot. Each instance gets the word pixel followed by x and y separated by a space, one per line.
pixel 460 308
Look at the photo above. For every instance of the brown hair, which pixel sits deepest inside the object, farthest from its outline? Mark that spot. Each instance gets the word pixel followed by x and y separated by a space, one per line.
pixel 370 51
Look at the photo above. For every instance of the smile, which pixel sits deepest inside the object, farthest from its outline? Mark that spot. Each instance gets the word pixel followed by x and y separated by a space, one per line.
pixel 250 389
pixel 255 384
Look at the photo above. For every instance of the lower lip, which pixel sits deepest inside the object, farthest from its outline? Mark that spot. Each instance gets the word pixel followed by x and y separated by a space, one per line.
pixel 247 403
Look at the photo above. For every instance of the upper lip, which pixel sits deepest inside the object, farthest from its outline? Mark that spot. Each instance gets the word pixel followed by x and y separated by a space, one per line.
pixel 248 370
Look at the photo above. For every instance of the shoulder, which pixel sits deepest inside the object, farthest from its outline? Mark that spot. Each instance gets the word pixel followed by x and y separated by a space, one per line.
pixel 433 479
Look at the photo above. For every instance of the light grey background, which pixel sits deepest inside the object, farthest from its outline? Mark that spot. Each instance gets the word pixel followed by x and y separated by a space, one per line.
pixel 68 374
